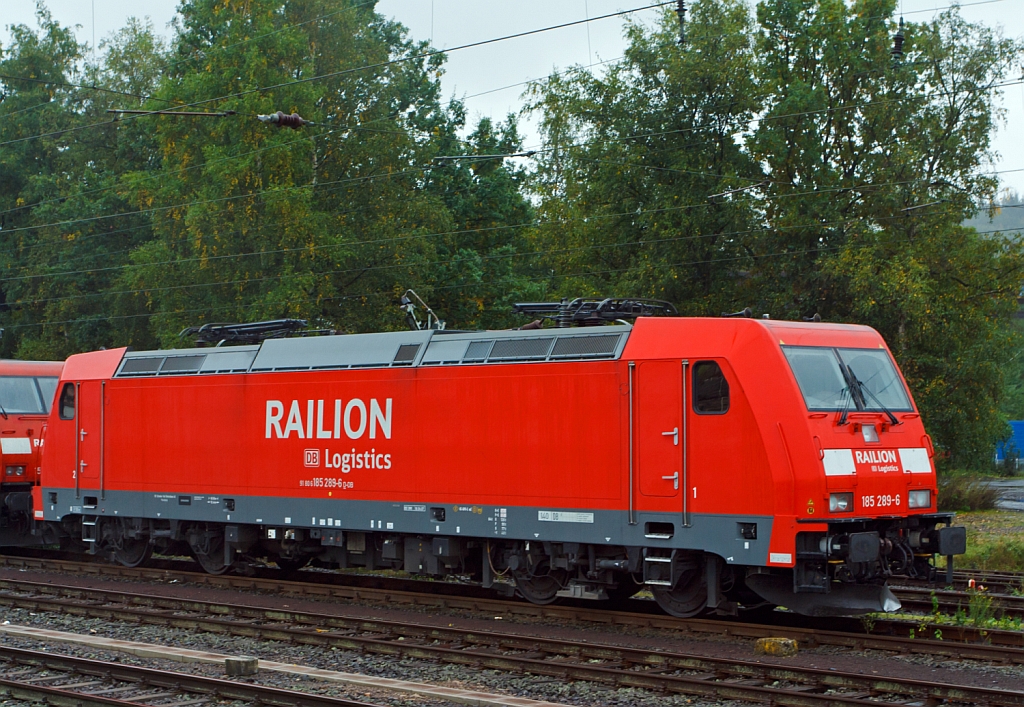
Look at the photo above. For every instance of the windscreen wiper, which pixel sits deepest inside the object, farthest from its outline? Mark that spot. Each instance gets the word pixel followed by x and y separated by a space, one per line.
pixel 864 389
pixel 847 397
pixel 3 411
pixel 851 383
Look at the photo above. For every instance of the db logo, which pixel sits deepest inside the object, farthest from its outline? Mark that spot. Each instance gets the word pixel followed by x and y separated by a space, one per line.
pixel 312 457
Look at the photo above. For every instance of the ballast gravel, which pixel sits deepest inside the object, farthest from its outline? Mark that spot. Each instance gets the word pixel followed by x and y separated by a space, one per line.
pixel 868 662
pixel 537 688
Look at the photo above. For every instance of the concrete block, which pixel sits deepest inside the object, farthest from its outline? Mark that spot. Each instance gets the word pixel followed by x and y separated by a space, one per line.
pixel 777 647
pixel 241 666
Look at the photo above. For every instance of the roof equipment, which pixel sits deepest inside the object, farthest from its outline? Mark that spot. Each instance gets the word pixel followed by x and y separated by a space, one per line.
pixel 587 311
pixel 218 333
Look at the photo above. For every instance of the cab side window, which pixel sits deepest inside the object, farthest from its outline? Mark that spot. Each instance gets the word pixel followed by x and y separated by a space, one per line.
pixel 710 389
pixel 67 402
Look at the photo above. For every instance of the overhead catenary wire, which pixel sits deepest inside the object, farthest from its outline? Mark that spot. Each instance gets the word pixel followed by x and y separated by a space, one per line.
pixel 541 149
pixel 537 150
pixel 399 266
pixel 163 67
pixel 307 248
pixel 201 53
pixel 362 126
pixel 365 67
pixel 362 296
pixel 533 223
pixel 633 165
pixel 587 219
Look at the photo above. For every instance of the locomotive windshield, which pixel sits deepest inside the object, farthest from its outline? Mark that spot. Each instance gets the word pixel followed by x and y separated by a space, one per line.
pixel 27 394
pixel 833 379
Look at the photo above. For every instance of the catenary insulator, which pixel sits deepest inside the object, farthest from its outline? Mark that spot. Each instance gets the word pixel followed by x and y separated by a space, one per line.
pixel 897 43
pixel 681 11
pixel 282 120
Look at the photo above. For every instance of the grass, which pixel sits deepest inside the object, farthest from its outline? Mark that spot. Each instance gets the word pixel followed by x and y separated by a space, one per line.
pixel 966 493
pixel 994 541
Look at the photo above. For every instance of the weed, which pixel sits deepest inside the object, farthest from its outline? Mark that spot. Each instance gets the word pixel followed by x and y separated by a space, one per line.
pixel 959 616
pixel 938 634
pixel 935 604
pixel 979 607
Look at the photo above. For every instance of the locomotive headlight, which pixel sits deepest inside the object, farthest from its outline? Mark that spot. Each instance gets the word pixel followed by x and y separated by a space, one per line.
pixel 921 498
pixel 840 502
pixel 15 471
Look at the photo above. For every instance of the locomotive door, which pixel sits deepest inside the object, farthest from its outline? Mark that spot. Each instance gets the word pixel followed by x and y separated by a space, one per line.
pixel 659 428
pixel 89 435
pixel 714 444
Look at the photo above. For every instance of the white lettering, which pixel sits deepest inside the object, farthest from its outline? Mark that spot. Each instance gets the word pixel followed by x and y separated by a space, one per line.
pixel 294 423
pixel 355 404
pixel 356 418
pixel 384 418
pixel 275 411
pixel 321 433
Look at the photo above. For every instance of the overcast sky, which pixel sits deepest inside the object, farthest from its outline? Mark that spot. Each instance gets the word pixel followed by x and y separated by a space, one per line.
pixel 482 70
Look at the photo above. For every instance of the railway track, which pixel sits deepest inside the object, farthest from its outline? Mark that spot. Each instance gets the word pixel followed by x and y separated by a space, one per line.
pixel 1005 588
pixel 952 602
pixel 660 670
pixel 995 581
pixel 62 680
pixel 963 641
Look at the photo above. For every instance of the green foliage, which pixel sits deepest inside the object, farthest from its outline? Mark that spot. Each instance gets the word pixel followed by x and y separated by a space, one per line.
pixel 1004 555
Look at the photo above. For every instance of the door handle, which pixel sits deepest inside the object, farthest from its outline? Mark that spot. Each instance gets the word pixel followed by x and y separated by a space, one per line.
pixel 674 434
pixel 83 433
pixel 674 479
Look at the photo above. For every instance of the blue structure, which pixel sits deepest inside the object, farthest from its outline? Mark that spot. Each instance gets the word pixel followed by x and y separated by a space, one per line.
pixel 1014 446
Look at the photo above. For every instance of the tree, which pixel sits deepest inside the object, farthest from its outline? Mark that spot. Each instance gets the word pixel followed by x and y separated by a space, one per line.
pixel 328 224
pixel 56 277
pixel 632 157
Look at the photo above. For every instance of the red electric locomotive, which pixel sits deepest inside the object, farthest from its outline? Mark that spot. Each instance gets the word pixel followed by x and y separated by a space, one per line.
pixel 722 463
pixel 27 390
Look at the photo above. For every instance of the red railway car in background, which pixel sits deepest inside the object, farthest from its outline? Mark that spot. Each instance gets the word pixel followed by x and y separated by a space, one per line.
pixel 27 390
pixel 722 463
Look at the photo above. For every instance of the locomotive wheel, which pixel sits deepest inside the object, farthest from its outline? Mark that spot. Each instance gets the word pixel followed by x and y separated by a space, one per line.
pixel 212 563
pixel 133 553
pixel 208 549
pixel 539 588
pixel 687 599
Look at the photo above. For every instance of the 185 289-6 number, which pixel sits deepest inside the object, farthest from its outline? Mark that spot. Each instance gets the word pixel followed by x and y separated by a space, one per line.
pixel 880 501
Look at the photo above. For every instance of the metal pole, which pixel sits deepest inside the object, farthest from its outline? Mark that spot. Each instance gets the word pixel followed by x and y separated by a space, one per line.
pixel 686 475
pixel 632 520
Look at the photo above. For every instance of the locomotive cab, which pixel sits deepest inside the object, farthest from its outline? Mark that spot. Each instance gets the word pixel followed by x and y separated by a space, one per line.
pixel 26 396
pixel 867 511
